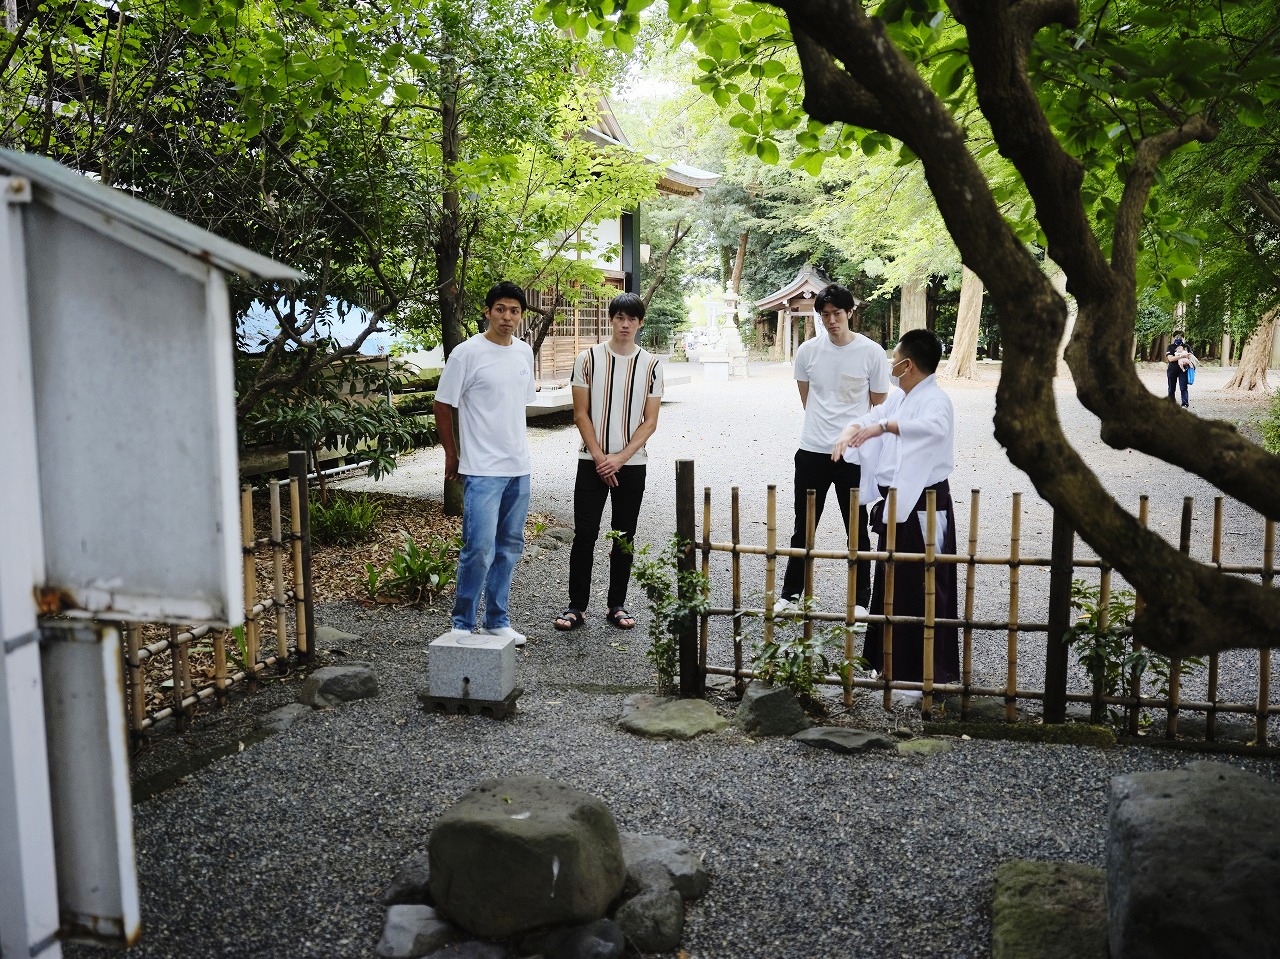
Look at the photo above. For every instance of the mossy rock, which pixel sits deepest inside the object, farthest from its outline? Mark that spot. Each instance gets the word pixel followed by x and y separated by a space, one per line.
pixel 1067 734
pixel 1049 910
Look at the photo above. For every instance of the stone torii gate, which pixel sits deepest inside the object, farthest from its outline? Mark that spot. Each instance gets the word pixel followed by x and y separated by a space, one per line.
pixel 794 301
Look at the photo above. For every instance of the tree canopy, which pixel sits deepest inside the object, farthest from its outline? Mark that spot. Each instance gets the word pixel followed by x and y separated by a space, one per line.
pixel 1084 101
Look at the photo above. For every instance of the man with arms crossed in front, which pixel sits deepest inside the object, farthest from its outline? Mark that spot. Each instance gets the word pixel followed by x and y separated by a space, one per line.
pixel 840 376
pixel 485 387
pixel 617 392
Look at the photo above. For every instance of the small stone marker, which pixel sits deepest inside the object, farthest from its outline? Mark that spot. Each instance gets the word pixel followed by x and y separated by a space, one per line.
pixel 331 685
pixel 768 710
pixel 471 673
pixel 1049 910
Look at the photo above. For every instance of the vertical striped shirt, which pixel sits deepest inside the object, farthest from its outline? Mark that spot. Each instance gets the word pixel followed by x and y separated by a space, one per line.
pixel 618 386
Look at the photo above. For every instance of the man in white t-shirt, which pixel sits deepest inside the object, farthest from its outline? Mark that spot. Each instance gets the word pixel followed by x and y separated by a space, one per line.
pixel 485 387
pixel 840 377
pixel 617 392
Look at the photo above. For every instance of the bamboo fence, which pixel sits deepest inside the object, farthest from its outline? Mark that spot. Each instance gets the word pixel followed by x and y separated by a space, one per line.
pixel 1052 690
pixel 283 608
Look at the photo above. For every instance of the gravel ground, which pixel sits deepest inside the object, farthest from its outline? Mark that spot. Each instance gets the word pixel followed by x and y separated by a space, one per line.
pixel 282 848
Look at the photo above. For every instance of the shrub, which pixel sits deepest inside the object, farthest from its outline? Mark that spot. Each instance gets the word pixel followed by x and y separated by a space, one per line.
pixel 344 520
pixel 669 612
pixel 790 660
pixel 1269 425
pixel 416 573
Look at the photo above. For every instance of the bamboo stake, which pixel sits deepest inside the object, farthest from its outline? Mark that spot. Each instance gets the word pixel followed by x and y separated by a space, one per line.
pixel 1104 620
pixel 770 560
pixel 1211 718
pixel 250 575
pixel 1135 675
pixel 137 679
pixel 1011 683
pixel 810 527
pixel 851 592
pixel 181 677
pixel 1175 662
pixel 1264 655
pixel 704 624
pixel 930 598
pixel 890 541
pixel 735 533
pixel 301 641
pixel 277 571
pixel 970 576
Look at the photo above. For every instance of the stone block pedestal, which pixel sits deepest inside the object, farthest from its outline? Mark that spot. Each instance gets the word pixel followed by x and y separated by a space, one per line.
pixel 476 667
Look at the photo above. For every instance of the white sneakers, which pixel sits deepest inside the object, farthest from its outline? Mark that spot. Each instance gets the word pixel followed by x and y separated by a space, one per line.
pixel 785 607
pixel 860 612
pixel 506 632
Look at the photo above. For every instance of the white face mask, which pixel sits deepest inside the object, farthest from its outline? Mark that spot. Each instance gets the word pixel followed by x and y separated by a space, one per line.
pixel 893 366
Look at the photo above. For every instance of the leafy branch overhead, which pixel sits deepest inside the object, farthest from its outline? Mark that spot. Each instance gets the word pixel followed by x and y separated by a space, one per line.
pixel 1085 102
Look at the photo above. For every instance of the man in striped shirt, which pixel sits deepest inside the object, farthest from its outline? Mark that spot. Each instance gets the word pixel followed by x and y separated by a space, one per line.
pixel 617 391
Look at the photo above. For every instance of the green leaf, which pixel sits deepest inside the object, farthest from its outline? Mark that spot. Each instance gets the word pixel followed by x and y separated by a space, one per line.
pixel 767 151
pixel 406 92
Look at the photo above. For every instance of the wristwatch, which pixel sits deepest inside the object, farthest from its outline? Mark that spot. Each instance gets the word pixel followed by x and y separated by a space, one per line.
pixel 884 426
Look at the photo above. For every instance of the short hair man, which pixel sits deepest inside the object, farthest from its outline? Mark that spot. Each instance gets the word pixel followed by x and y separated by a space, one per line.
pixel 841 376
pixel 909 445
pixel 617 392
pixel 485 387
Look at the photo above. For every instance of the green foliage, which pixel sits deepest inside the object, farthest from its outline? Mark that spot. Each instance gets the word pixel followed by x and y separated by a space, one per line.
pixel 1103 640
pixel 789 659
pixel 416 574
pixel 410 403
pixel 1269 426
pixel 675 598
pixel 345 520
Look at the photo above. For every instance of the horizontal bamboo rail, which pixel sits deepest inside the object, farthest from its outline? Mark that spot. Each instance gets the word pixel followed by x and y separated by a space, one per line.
pixel 228 668
pixel 1130 699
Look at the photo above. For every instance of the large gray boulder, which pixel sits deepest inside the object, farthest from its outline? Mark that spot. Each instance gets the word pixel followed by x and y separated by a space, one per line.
pixel 524 852
pixel 768 710
pixel 331 685
pixel 1193 864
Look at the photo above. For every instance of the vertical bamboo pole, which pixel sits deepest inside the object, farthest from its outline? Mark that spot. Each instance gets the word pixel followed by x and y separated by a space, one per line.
pixel 305 624
pixel 181 679
pixel 1264 655
pixel 971 571
pixel 810 527
pixel 298 479
pixel 930 597
pixel 1175 662
pixel 704 623
pixel 735 536
pixel 850 594
pixel 890 541
pixel 770 559
pixel 1061 566
pixel 250 580
pixel 1096 706
pixel 1135 675
pixel 137 678
pixel 1011 678
pixel 277 574
pixel 1211 719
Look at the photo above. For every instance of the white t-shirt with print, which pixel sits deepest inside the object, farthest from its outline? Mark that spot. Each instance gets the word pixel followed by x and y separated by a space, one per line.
pixel 841 379
pixel 619 387
pixel 490 385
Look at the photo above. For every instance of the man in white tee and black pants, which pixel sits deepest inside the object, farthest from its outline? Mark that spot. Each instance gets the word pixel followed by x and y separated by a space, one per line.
pixel 840 377
pixel 617 392
pixel 486 385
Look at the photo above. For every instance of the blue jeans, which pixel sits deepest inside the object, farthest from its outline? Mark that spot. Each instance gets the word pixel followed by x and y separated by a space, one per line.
pixel 494 509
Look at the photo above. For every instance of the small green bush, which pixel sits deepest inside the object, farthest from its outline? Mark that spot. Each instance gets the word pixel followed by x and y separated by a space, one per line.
pixel 800 664
pixel 409 403
pixel 344 520
pixel 1269 426
pixel 416 573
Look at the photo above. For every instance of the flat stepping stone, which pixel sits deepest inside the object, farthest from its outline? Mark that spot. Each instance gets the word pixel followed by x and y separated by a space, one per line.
pixel 678 719
pixel 924 747
pixel 841 739
pixel 1049 910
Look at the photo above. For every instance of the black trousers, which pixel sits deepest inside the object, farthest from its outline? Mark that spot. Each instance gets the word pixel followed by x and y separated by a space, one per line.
pixel 1177 380
pixel 589 495
pixel 818 472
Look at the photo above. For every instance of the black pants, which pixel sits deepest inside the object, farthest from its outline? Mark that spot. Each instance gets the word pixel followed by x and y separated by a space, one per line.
pixel 589 494
pixel 818 472
pixel 1177 379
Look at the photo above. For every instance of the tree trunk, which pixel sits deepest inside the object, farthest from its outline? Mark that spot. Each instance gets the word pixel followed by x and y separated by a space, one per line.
pixel 915 297
pixel 1251 374
pixel 1059 280
pixel 737 263
pixel 448 246
pixel 964 351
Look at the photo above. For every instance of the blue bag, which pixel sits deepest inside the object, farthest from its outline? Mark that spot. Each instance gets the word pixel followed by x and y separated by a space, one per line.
pixel 1191 375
